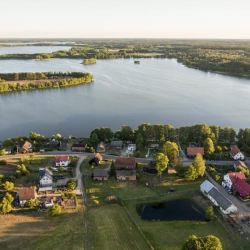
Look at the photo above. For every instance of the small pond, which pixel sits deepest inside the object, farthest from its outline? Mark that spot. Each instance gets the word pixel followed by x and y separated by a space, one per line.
pixel 184 209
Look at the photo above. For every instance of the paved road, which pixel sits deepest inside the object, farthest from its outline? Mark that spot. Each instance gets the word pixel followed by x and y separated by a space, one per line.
pixel 80 188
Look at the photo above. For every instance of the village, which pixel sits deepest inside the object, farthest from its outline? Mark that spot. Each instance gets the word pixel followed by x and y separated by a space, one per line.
pixel 115 177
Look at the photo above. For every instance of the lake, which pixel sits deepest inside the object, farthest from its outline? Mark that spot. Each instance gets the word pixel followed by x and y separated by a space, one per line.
pixel 31 49
pixel 156 91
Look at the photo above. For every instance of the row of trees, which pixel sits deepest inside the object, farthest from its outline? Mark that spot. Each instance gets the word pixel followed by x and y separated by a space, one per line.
pixel 215 139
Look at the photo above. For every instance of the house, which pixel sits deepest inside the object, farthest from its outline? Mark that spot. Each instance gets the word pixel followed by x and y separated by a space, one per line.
pixel 131 148
pixel 8 150
pixel 26 147
pixel 100 174
pixel 236 154
pixel 217 198
pixel 193 151
pixel 78 147
pixel 125 163
pixel 238 164
pixel 45 180
pixel 126 175
pixel 242 188
pixel 236 183
pixel 154 146
pixel 25 194
pixel 125 168
pixel 228 179
pixel 116 145
pixel 101 148
pixel 62 161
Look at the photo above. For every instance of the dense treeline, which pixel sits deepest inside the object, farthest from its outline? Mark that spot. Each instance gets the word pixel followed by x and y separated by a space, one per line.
pixel 39 75
pixel 31 81
pixel 226 57
pixel 147 134
pixel 216 140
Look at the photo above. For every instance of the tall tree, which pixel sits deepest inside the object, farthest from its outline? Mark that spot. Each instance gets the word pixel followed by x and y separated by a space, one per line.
pixel 209 146
pixel 191 174
pixel 94 139
pixel 161 163
pixel 171 149
pixel 199 165
pixel 139 141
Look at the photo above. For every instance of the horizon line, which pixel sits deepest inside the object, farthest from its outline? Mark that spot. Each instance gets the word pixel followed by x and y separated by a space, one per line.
pixel 126 38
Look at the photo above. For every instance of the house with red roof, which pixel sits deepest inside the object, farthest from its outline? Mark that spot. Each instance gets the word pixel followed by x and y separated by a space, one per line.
pixel 236 154
pixel 25 194
pixel 193 151
pixel 62 161
pixel 236 182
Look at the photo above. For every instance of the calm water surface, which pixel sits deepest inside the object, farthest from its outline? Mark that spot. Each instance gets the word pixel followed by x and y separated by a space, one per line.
pixel 31 49
pixel 156 91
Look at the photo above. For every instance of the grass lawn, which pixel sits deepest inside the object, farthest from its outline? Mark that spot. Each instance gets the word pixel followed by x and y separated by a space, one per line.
pixel 32 231
pixel 172 234
pixel 110 228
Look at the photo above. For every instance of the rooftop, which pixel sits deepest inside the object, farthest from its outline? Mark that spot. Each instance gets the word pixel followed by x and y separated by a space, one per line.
pixel 193 151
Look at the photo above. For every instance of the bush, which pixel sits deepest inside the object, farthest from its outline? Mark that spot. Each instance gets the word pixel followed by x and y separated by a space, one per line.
pixel 71 184
pixel 32 203
pixel 55 210
pixel 210 213
pixel 8 185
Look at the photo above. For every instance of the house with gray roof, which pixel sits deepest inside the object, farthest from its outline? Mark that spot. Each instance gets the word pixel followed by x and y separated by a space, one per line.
pixel 217 198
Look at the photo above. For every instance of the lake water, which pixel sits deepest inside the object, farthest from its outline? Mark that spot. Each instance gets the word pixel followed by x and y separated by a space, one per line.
pixel 31 49
pixel 156 91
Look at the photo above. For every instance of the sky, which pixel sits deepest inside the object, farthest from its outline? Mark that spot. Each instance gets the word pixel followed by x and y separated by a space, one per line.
pixel 225 19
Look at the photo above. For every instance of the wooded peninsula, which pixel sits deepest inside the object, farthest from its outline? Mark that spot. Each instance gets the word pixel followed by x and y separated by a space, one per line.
pixel 229 57
pixel 15 82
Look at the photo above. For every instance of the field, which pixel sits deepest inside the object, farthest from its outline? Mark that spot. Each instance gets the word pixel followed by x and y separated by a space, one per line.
pixel 109 226
pixel 39 231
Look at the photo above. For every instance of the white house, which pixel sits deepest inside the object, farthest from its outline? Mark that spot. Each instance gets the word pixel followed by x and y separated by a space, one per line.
pixel 227 182
pixel 236 154
pixel 62 161
pixel 45 180
pixel 217 198
pixel 131 148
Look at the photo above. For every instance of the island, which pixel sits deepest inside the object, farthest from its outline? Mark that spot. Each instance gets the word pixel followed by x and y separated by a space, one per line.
pixel 15 82
pixel 88 61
